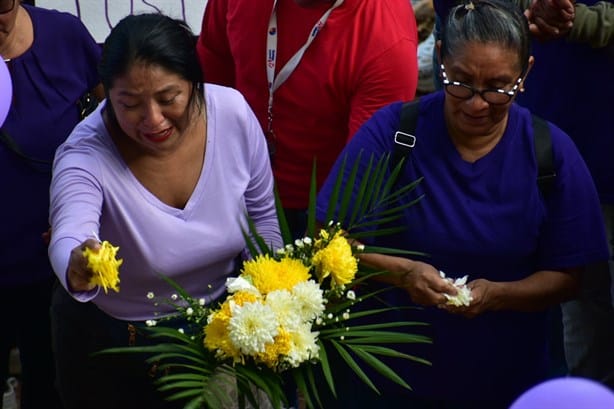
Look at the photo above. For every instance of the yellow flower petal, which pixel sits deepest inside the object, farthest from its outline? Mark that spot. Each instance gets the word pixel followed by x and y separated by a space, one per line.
pixel 105 266
pixel 336 260
pixel 268 274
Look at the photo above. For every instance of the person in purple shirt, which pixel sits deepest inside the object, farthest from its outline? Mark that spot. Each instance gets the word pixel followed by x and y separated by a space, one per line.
pixel 583 108
pixel 482 215
pixel 166 169
pixel 52 60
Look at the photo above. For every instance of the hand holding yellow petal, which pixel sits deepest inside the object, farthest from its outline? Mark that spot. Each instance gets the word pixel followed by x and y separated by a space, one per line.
pixel 105 266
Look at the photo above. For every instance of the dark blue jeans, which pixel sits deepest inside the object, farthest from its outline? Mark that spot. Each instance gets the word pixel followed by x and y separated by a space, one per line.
pixel 107 381
pixel 26 325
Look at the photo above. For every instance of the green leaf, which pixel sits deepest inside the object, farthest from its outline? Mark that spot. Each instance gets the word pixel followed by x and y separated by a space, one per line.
pixel 311 210
pixel 326 368
pixel 354 366
pixel 334 198
pixel 379 366
pixel 384 351
pixel 286 234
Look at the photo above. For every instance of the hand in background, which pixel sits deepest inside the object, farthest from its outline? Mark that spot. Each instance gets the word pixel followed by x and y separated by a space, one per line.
pixel 550 19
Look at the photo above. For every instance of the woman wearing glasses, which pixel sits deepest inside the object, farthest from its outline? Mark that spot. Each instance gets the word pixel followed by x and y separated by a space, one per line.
pixel 52 62
pixel 482 215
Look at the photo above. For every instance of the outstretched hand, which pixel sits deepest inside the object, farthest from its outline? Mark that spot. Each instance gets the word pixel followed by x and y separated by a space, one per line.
pixel 79 275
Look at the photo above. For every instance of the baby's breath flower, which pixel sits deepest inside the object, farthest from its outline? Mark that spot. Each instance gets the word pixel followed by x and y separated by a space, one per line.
pixel 351 295
pixel 151 323
pixel 307 240
pixel 150 295
pixel 346 315
pixel 189 311
pixel 201 302
pixel 181 330
pixel 174 297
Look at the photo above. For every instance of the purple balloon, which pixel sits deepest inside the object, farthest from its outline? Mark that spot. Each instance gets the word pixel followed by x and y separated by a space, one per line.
pixel 6 90
pixel 566 393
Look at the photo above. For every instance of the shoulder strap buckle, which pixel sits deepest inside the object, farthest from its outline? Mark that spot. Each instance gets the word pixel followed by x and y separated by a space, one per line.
pixel 405 139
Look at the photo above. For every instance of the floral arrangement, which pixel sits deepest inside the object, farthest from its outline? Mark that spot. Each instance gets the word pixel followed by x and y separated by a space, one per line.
pixel 273 305
pixel 285 313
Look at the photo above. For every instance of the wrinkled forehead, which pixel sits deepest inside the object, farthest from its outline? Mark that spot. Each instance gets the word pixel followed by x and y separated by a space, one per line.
pixel 483 53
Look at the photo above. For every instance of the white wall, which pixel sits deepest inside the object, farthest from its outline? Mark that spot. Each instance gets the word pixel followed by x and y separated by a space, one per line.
pixel 100 15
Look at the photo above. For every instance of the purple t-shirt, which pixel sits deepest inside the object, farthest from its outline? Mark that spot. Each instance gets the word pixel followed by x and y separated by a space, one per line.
pixel 486 220
pixel 48 79
pixel 94 192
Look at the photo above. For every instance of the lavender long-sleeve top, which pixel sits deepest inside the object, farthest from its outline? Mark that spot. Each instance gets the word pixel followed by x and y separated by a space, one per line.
pixel 94 192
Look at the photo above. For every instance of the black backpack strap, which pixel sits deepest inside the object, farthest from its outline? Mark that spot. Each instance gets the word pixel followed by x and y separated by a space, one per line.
pixel 546 173
pixel 404 138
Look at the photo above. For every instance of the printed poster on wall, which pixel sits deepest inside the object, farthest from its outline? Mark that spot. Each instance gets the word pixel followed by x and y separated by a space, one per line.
pixel 99 16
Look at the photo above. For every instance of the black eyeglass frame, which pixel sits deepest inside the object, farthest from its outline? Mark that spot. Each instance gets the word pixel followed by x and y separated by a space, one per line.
pixel 10 9
pixel 481 92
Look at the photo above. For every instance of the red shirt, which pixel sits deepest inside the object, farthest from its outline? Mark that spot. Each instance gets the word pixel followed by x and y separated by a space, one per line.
pixel 364 58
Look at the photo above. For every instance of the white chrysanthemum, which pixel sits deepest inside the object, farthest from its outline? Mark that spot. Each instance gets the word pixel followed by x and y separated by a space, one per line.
pixel 462 298
pixel 283 305
pixel 304 345
pixel 309 299
pixel 234 284
pixel 463 295
pixel 251 327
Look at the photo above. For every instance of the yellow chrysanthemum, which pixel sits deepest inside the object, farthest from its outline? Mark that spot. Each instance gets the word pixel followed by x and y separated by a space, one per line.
pixel 104 265
pixel 242 297
pixel 336 260
pixel 216 335
pixel 267 274
pixel 281 346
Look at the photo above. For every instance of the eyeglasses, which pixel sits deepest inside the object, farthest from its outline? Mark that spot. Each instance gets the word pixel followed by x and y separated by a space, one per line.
pixel 493 96
pixel 6 6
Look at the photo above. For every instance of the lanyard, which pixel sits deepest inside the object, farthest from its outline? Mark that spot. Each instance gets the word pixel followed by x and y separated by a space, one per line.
pixel 271 56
